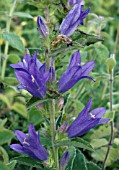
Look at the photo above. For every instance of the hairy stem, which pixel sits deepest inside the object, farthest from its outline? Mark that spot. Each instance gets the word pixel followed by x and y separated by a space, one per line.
pixel 111 122
pixel 53 134
pixel 7 44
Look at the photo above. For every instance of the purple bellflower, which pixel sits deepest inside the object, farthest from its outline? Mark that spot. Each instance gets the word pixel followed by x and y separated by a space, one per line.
pixel 42 27
pixel 30 145
pixel 73 19
pixel 64 160
pixel 86 120
pixel 32 75
pixel 72 2
pixel 75 72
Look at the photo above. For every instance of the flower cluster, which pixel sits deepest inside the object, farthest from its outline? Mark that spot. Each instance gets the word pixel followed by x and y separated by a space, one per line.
pixel 34 76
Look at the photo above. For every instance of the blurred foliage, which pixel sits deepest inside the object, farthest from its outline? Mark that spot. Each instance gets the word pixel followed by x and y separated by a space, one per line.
pixel 96 40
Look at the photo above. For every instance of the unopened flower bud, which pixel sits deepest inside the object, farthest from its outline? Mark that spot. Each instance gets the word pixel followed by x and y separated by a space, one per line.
pixel 64 160
pixel 111 63
pixel 52 76
pixel 61 103
pixel 63 128
pixel 42 27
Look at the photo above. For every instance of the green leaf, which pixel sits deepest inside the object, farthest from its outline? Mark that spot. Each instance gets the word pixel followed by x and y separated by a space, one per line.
pixel 79 161
pixel 4 155
pixel 10 81
pixel 22 14
pixel 72 155
pixel 5 136
pixel 35 101
pixel 97 143
pixel 20 108
pixel 102 52
pixel 4 99
pixel 30 162
pixel 101 132
pixel 13 40
pixel 12 164
pixel 35 116
pixel 92 166
pixel 110 115
pixel 99 155
pixel 3 166
pixel 80 143
pixel 14 58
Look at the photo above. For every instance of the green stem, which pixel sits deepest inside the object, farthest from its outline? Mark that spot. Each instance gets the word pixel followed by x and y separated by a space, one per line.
pixel 53 134
pixel 0 58
pixel 7 44
pixel 111 122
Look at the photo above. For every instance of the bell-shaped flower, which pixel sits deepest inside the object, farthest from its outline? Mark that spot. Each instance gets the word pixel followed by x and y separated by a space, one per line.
pixel 75 72
pixel 74 18
pixel 86 120
pixel 42 27
pixel 32 75
pixel 64 160
pixel 30 144
pixel 72 2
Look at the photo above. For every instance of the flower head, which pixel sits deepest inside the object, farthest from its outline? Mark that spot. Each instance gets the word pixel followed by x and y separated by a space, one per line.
pixel 30 145
pixel 42 27
pixel 64 160
pixel 73 19
pixel 72 2
pixel 86 120
pixel 75 72
pixel 32 75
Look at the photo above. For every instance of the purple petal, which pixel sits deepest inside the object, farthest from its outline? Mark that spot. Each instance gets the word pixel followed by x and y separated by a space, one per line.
pixel 87 68
pixel 17 147
pixel 32 132
pixel 69 79
pixel 102 121
pixel 84 13
pixel 20 135
pixel 75 60
pixel 70 19
pixel 88 77
pixel 26 61
pixel 98 112
pixel 72 2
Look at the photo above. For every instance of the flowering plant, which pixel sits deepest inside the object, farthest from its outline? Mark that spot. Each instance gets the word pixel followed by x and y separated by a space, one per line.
pixel 45 99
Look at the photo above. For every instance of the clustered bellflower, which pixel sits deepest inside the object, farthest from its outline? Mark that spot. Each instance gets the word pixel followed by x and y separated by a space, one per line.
pixel 86 120
pixel 30 144
pixel 42 27
pixel 74 18
pixel 75 72
pixel 32 75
